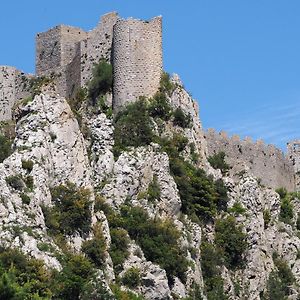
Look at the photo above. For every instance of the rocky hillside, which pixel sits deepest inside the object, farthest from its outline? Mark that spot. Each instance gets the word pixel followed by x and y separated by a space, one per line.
pixel 128 206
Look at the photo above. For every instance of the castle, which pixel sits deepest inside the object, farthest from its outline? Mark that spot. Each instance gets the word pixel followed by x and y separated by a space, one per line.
pixel 134 48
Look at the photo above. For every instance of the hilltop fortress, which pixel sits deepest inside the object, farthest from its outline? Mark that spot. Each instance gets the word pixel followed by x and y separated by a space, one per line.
pixel 134 48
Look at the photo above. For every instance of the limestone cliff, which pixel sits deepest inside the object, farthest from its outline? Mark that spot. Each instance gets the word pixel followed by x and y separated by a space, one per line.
pixel 53 148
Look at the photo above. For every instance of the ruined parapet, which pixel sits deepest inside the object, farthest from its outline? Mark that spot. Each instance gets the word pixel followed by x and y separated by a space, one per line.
pixel 56 49
pixel 137 59
pixel 97 45
pixel 14 85
pixel 293 154
pixel 265 162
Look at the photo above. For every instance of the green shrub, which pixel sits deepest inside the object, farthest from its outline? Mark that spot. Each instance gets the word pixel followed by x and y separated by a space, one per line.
pixel 71 281
pixel 210 262
pixel 23 277
pixel 280 281
pixel 133 127
pixel 267 218
pixel 237 209
pixel 29 182
pixel 16 182
pixel 286 210
pixel 282 192
pixel 167 87
pixel 159 107
pixel 124 295
pixel 201 197
pixel 5 147
pixel 71 212
pixel 95 249
pixel 181 119
pixel 132 277
pixel 298 222
pixel 217 161
pixel 119 247
pixel 231 242
pixel 25 198
pixel 27 165
pixel 158 240
pixel 153 191
pixel 101 82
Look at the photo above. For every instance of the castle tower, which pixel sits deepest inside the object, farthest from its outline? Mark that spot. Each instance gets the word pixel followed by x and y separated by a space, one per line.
pixel 137 59
pixel 293 154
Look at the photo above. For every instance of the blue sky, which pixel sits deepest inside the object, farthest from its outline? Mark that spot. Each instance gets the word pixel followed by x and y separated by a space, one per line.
pixel 240 59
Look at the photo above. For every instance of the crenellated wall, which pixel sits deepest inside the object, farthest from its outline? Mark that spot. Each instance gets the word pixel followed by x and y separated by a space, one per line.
pixel 264 161
pixel 137 59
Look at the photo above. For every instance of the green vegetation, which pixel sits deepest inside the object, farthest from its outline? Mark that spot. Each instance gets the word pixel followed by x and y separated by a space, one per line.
pixel 217 161
pixel 132 277
pixel 231 242
pixel 71 211
pixel 267 217
pixel 158 239
pixel 96 247
pixel 181 119
pixel 25 198
pixel 124 295
pixel 21 277
pixel 133 127
pixel 119 247
pixel 101 82
pixel 280 281
pixel 286 210
pixel 237 209
pixel 153 191
pixel 167 87
pixel 282 192
pixel 16 182
pixel 159 107
pixel 27 165
pixel 210 264
pixel 5 147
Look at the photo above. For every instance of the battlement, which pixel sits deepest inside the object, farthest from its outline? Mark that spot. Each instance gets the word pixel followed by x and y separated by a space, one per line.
pixel 264 161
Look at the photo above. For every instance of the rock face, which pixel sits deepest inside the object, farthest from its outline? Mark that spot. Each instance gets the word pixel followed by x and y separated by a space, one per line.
pixel 50 142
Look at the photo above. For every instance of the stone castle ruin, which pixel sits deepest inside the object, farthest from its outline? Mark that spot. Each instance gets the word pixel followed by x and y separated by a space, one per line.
pixel 134 48
pixel 266 162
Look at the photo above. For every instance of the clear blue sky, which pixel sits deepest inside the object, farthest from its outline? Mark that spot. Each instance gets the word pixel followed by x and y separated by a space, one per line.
pixel 240 59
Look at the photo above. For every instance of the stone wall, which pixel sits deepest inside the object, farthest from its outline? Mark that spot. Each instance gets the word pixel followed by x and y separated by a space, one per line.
pixel 98 45
pixel 293 154
pixel 7 91
pixel 14 85
pixel 264 161
pixel 137 59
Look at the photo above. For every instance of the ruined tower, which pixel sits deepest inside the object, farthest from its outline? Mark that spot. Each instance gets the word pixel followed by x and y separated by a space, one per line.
pixel 14 85
pixel 293 154
pixel 137 59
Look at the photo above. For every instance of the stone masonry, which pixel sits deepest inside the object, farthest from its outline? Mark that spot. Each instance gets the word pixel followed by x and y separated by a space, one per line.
pixel 293 154
pixel 134 47
pixel 266 162
pixel 137 59
pixel 14 85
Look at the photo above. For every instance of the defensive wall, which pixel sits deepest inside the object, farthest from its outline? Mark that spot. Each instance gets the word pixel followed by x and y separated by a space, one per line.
pixel 14 85
pixel 265 162
pixel 133 47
